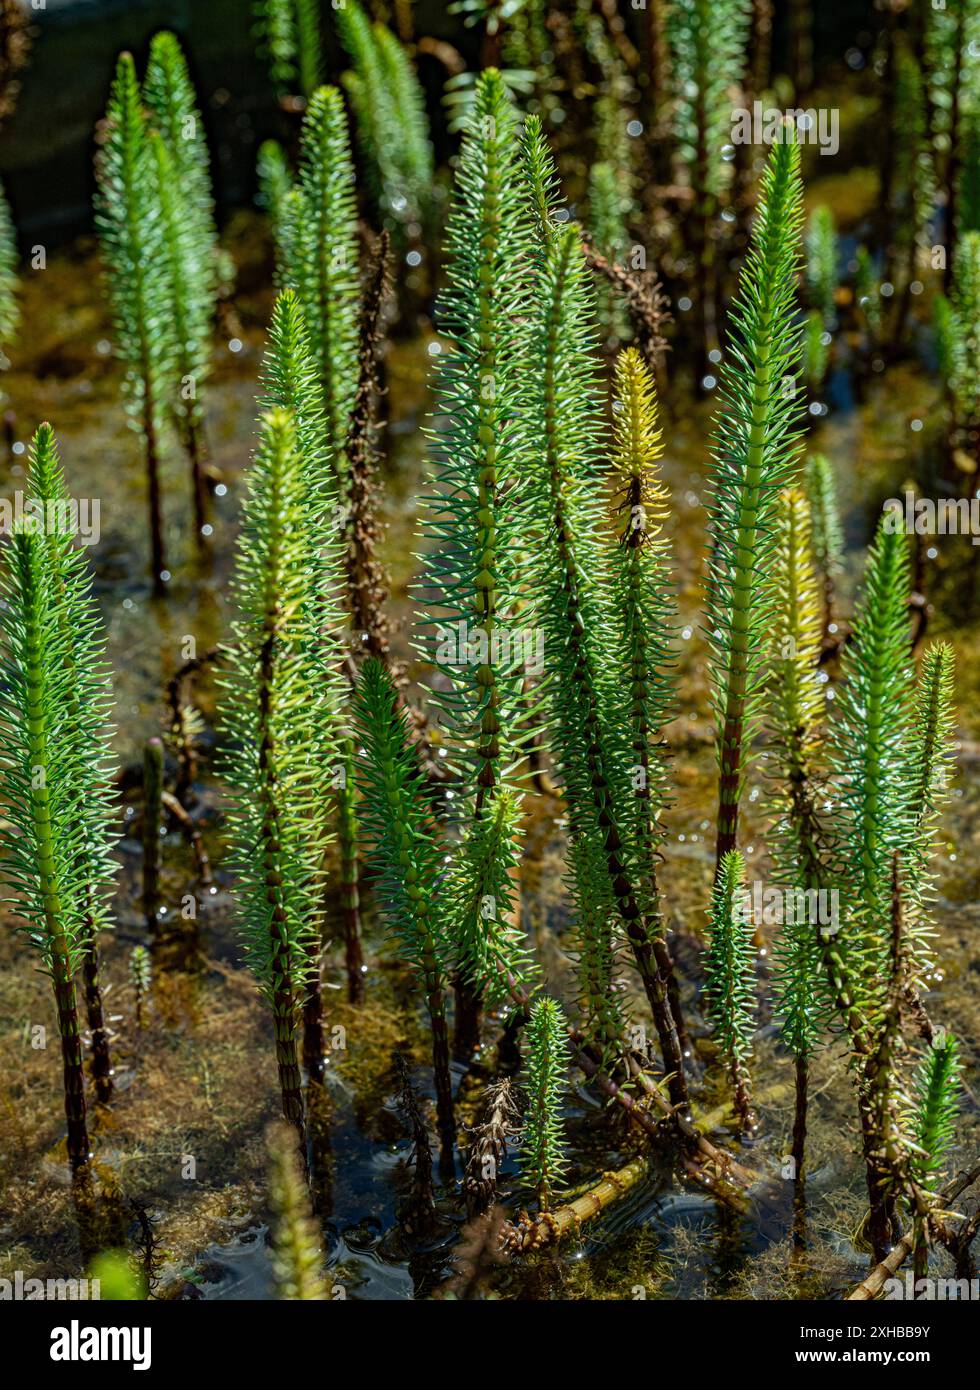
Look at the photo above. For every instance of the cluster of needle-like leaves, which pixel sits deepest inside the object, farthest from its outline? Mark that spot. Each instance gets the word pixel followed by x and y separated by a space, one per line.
pixel 9 308
pixel 392 127
pixel 133 241
pixel 316 230
pixel 957 322
pixel 869 757
pixel 401 824
pixel 935 1106
pixel 279 706
pixel 543 1161
pixel 795 719
pixel 755 457
pixel 54 754
pixel 55 741
pixel 289 36
pixel 730 976
pixel 707 46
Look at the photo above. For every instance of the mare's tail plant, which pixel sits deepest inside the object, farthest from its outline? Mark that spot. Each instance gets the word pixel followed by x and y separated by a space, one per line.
pixel 878 955
pixel 9 308
pixel 542 1152
pixel 932 1121
pixel 54 749
pixel 291 381
pixel 153 827
pixel 821 264
pixel 473 577
pixel 755 456
pixel 730 980
pixel 192 265
pixel 86 693
pixel 392 128
pixel 297 1259
pixel 957 321
pixel 590 737
pixel 319 246
pixel 134 248
pixel 278 726
pixel 141 978
pixel 645 611
pixel 401 825
pixel 795 718
pixel 707 43
pixel 289 38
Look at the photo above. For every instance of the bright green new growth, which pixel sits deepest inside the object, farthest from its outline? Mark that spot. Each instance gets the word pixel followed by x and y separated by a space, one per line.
pixel 795 714
pixel 278 725
pixel 400 821
pixel 56 831
pixel 132 238
pixel 730 977
pixel 869 751
pixel 290 34
pixel 957 321
pixel 543 1162
pixel 541 178
pixel 935 1099
pixel 589 742
pixel 392 128
pixel 755 457
pixel 473 577
pixel 474 571
pixel 318 243
pixel 821 263
pixel 172 104
pixel 194 262
pixel 9 309
pixel 295 1251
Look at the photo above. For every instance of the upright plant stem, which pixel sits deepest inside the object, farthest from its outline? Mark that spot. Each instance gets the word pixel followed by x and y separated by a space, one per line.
pixel 50 892
pixel 350 895
pixel 152 826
